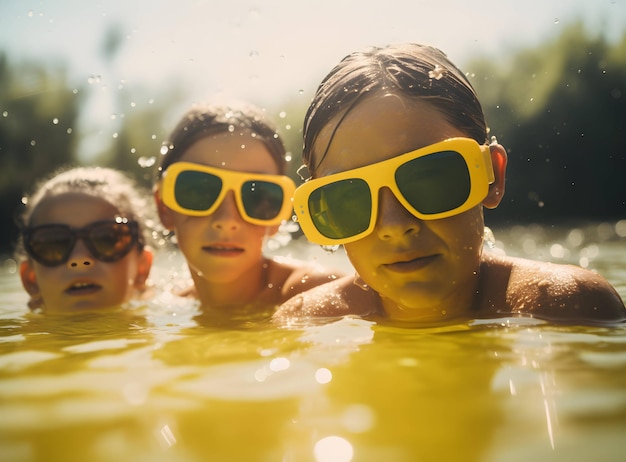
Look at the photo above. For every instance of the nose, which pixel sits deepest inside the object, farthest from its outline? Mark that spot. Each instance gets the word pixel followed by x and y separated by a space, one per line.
pixel 80 258
pixel 227 216
pixel 394 221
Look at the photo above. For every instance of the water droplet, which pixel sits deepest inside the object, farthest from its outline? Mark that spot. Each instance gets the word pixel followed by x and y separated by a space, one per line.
pixel 146 162
pixel 333 449
pixel 323 375
pixel 282 114
pixel 5 114
pixel 556 20
pixel 55 121
pixel 279 364
pixel 164 150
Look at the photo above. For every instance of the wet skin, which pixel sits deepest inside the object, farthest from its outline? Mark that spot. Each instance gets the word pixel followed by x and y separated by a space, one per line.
pixel 425 272
pixel 83 282
pixel 222 249
pixel 421 268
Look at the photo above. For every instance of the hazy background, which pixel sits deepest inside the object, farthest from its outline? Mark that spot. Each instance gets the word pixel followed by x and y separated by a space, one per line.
pixel 104 82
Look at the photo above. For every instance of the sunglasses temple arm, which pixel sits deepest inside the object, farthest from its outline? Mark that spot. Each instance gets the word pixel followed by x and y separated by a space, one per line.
pixel 488 164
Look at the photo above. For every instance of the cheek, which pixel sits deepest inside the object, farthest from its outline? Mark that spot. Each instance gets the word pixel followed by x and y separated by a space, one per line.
pixel 359 255
pixel 189 229
pixel 462 233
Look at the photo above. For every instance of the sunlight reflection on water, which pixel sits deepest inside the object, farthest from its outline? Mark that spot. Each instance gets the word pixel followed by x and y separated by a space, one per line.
pixel 123 386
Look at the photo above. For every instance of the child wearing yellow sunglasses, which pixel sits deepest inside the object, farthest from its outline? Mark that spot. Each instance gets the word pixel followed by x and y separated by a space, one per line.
pixel 222 190
pixel 396 145
pixel 83 241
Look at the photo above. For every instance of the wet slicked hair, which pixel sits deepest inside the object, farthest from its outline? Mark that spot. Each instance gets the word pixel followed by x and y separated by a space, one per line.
pixel 409 69
pixel 207 120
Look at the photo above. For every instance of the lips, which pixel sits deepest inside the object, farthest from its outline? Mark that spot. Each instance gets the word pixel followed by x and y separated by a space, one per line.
pixel 411 265
pixel 83 288
pixel 223 250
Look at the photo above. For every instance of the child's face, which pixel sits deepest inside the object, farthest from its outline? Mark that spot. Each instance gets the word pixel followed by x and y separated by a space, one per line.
pixel 412 264
pixel 222 247
pixel 83 282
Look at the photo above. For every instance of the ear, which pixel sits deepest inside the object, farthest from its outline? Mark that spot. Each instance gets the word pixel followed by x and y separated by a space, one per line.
pixel 496 189
pixel 144 264
pixel 29 279
pixel 165 213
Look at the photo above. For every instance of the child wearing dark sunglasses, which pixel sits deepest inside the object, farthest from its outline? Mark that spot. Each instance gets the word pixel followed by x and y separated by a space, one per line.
pixel 222 190
pixel 396 145
pixel 82 243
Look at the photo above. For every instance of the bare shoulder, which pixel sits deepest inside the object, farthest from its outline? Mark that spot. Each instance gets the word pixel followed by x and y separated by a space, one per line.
pixel 339 297
pixel 293 277
pixel 566 293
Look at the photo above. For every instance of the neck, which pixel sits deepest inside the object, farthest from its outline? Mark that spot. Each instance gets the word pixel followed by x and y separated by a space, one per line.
pixel 456 306
pixel 238 293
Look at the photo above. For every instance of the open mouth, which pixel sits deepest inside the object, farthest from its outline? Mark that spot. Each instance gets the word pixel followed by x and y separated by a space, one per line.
pixel 82 288
pixel 223 250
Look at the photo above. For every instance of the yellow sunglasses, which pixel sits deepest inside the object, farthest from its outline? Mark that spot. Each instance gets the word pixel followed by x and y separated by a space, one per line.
pixel 198 190
pixel 437 181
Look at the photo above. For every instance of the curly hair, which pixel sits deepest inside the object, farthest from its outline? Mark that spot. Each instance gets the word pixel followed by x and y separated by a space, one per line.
pixel 112 185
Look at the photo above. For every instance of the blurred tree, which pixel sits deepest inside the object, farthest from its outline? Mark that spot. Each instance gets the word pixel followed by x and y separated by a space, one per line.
pixel 560 110
pixel 38 113
pixel 140 131
pixel 39 109
pixel 137 145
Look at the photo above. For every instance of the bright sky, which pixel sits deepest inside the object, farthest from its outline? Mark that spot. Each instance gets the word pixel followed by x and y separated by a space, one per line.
pixel 270 51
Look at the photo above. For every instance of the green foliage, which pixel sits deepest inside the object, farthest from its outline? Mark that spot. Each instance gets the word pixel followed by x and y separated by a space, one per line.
pixel 560 110
pixel 38 113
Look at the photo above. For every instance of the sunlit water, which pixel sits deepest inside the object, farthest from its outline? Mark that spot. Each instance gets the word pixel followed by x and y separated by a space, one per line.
pixel 124 386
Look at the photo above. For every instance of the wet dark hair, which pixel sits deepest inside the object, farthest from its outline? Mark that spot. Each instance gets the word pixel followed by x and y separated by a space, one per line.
pixel 206 120
pixel 409 69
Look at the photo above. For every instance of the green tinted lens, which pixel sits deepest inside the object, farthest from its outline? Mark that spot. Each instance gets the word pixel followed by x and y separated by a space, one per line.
pixel 261 199
pixel 342 209
pixel 197 190
pixel 435 183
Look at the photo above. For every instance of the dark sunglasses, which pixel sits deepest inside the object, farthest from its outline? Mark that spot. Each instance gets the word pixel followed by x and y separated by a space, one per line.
pixel 434 182
pixel 108 241
pixel 198 190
